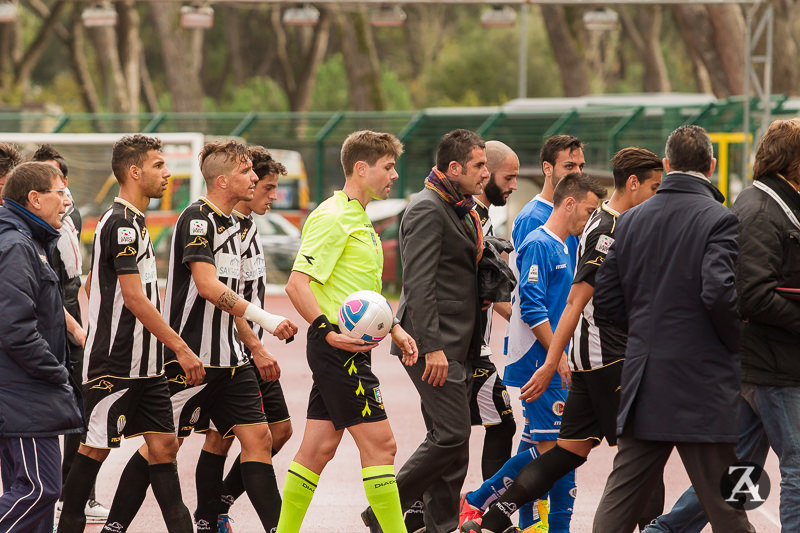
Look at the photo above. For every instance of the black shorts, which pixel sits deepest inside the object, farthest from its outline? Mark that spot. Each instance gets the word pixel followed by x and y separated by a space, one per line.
pixel 272 400
pixel 489 402
pixel 228 397
pixel 117 407
pixel 344 390
pixel 591 408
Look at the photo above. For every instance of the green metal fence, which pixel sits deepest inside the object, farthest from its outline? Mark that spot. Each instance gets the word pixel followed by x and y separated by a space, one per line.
pixel 318 136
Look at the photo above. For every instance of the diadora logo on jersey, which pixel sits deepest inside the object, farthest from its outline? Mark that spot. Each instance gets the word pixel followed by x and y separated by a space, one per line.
pixel 604 244
pixel 120 423
pixel 558 408
pixel 195 416
pixel 125 235
pixel 562 265
pixel 198 227
pixel 533 274
pixel 309 259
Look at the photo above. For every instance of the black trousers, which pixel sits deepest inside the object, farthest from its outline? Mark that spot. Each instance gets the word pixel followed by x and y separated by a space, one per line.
pixel 638 466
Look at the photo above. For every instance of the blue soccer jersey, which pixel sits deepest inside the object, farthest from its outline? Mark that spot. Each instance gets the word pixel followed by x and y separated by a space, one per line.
pixel 535 214
pixel 545 277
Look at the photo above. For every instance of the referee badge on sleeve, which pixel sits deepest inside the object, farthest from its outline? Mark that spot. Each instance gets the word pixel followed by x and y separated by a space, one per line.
pixel 198 227
pixel 126 235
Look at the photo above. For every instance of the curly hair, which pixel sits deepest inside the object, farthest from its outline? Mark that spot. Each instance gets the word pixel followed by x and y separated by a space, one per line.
pixel 263 163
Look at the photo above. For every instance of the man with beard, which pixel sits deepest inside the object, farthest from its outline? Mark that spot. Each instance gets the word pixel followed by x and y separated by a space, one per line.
pixel 490 404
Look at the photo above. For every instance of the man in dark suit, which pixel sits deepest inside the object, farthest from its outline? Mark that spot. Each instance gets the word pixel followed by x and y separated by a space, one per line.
pixel 668 279
pixel 440 244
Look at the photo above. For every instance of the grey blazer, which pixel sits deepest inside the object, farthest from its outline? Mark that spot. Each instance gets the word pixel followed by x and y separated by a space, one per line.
pixel 439 304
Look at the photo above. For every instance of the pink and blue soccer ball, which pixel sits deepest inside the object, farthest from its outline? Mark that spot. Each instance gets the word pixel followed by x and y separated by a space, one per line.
pixel 365 315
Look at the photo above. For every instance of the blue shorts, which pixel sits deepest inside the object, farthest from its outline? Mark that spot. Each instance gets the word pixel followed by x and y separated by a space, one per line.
pixel 543 416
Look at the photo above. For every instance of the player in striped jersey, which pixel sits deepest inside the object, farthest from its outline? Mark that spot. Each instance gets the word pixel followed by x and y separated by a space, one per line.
pixel 490 404
pixel 254 286
pixel 205 306
pixel 125 391
pixel 596 354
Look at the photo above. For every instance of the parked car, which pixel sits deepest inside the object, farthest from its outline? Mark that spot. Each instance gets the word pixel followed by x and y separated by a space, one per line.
pixel 281 241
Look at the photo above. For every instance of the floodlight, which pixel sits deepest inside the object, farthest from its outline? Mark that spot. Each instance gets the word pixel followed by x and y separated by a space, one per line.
pixel 8 12
pixel 304 15
pixel 99 15
pixel 383 16
pixel 498 16
pixel 196 16
pixel 600 19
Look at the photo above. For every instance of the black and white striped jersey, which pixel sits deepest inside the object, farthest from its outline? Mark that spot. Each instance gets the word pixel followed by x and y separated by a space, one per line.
pixel 254 269
pixel 486 316
pixel 118 344
pixel 204 234
pixel 592 346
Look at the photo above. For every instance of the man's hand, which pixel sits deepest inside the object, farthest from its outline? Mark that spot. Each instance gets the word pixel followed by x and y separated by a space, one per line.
pixel 539 382
pixel 564 372
pixel 192 366
pixel 285 330
pixel 409 346
pixel 348 344
pixel 267 366
pixel 435 368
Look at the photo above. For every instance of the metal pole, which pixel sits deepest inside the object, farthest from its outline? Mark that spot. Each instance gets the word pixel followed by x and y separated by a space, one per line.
pixel 522 58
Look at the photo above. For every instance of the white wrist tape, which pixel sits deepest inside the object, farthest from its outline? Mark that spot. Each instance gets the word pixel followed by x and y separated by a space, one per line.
pixel 268 321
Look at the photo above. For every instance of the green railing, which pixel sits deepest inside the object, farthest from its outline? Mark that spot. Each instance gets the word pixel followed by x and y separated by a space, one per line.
pixel 318 136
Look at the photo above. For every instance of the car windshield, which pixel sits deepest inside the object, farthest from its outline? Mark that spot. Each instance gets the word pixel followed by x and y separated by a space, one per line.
pixel 275 225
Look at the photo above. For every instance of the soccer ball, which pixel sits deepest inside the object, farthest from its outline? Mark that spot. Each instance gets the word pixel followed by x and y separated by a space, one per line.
pixel 365 315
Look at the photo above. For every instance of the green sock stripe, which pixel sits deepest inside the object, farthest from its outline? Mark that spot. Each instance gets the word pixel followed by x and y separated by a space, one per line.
pixel 377 471
pixel 304 473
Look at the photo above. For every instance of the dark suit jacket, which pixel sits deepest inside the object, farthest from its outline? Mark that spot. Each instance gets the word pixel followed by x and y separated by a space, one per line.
pixel 439 304
pixel 669 278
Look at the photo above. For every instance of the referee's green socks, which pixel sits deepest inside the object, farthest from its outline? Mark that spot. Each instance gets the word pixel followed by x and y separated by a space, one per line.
pixel 298 489
pixel 382 495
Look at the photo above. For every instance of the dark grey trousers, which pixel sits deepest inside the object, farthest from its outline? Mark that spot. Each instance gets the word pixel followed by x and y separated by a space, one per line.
pixel 435 472
pixel 639 465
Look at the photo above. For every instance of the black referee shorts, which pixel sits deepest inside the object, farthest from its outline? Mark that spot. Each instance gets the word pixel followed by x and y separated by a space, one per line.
pixel 117 407
pixel 489 402
pixel 591 408
pixel 228 397
pixel 344 390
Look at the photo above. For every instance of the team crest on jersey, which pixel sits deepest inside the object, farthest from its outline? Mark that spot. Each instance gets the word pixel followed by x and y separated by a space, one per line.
pixel 558 407
pixel 533 274
pixel 604 244
pixel 198 227
pixel 195 416
pixel 125 235
pixel 120 423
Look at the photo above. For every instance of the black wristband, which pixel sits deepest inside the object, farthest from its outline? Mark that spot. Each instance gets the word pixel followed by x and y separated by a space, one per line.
pixel 321 327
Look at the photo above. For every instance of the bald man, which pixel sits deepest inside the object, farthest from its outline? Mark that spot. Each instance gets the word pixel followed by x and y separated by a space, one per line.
pixel 490 404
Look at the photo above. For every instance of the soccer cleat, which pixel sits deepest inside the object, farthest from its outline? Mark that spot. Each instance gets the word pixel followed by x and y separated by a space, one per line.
pixel 543 506
pixel 224 524
pixel 95 512
pixel 538 527
pixel 474 527
pixel 467 511
pixel 370 520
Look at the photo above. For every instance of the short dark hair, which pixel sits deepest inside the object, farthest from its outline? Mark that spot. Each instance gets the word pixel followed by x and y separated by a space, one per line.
pixel 779 151
pixel 27 177
pixel 220 157
pixel 47 153
pixel 634 161
pixel 557 144
pixel 368 146
pixel 131 150
pixel 9 158
pixel 577 185
pixel 457 146
pixel 263 163
pixel 689 148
